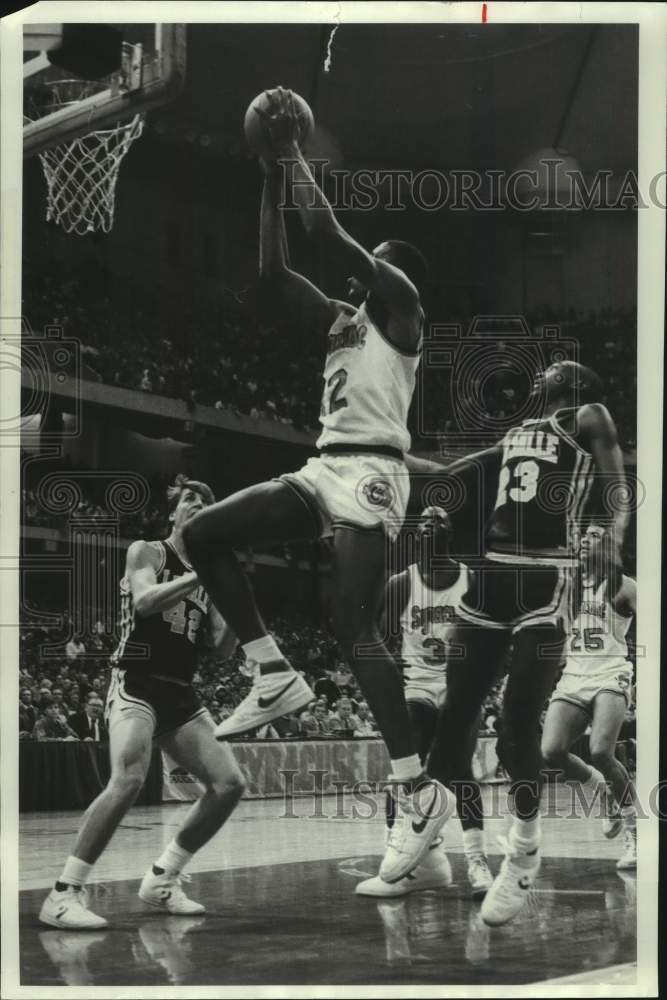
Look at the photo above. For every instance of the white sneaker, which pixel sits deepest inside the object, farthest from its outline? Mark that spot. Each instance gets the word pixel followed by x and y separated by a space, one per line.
pixel 612 820
pixel 479 876
pixel 420 817
pixel 272 695
pixel 69 909
pixel 435 872
pixel 510 888
pixel 165 892
pixel 628 859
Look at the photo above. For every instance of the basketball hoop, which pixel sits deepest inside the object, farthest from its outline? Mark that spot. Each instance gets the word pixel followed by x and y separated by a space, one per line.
pixel 81 175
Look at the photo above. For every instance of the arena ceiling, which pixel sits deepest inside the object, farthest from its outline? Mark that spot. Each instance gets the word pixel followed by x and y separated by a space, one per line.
pixel 445 96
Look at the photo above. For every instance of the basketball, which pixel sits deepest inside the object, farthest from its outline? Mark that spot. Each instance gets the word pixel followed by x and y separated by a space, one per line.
pixel 254 132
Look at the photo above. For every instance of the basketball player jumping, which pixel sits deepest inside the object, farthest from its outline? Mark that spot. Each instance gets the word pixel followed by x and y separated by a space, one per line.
pixel 519 596
pixel 163 610
pixel 420 605
pixel 595 688
pixel 357 488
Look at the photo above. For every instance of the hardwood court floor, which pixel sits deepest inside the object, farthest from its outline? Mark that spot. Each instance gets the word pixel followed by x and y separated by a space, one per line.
pixel 281 909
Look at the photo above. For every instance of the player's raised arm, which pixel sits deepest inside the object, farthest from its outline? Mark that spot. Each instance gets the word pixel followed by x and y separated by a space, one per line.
pixel 297 298
pixel 149 596
pixel 389 283
pixel 597 432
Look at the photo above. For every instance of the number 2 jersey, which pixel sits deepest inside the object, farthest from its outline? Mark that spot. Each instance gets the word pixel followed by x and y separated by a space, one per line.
pixel 545 482
pixel 164 645
pixel 368 386
pixel 597 641
pixel 426 622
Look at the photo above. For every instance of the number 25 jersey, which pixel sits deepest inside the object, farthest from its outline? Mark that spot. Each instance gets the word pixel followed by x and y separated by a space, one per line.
pixel 544 485
pixel 598 635
pixel 368 385
pixel 163 645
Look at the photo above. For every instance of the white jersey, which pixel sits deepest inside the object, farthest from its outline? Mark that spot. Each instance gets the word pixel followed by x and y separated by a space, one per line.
pixel 426 623
pixel 368 385
pixel 598 635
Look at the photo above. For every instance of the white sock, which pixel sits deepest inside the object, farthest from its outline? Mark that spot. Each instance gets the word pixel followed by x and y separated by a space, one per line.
pixel 473 842
pixel 173 859
pixel 263 650
pixel 406 768
pixel 525 834
pixel 75 872
pixel 629 817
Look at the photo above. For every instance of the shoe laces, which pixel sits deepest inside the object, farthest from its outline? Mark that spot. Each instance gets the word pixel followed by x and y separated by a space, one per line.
pixel 478 863
pixel 175 882
pixel 630 836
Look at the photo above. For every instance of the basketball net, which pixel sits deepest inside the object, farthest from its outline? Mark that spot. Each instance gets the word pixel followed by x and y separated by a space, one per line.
pixel 81 175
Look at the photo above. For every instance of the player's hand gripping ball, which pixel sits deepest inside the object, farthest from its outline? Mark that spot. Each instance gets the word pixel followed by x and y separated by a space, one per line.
pixel 277 120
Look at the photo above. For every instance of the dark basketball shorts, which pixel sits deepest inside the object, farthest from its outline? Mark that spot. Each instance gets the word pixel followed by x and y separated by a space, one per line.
pixel 166 704
pixel 516 597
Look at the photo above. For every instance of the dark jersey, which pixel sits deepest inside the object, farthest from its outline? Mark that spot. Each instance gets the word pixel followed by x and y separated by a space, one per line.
pixel 544 485
pixel 163 645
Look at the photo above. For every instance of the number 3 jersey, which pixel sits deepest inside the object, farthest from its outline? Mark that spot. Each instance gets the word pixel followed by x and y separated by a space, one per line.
pixel 544 485
pixel 163 645
pixel 597 639
pixel 368 385
pixel 426 622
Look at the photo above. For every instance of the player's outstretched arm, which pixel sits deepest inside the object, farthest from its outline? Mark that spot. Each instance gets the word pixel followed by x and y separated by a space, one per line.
pixel 149 596
pixel 297 299
pixel 597 432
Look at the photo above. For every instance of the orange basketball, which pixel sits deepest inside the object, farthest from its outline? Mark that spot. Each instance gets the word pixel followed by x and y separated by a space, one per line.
pixel 254 132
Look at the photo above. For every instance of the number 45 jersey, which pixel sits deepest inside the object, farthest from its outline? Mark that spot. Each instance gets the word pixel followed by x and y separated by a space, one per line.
pixel 163 645
pixel 544 485
pixel 426 622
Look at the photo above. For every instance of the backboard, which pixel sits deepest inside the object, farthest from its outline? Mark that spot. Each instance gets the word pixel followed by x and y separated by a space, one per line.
pixel 152 73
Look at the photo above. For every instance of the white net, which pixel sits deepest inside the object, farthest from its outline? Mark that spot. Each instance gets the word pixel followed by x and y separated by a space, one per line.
pixel 81 177
pixel 81 174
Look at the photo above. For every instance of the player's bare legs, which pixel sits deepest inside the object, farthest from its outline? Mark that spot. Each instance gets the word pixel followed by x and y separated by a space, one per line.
pixel 358 579
pixel 264 514
pixel 563 724
pixel 260 515
pixel 130 743
pixel 195 748
pixel 474 666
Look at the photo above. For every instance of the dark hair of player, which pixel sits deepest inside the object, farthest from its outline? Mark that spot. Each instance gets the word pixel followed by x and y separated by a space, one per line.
pixel 408 259
pixel 574 378
pixel 181 482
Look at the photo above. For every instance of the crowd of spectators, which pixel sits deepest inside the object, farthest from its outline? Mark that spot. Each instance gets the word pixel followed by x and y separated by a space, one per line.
pixel 223 356
pixel 220 356
pixel 64 678
pixel 465 396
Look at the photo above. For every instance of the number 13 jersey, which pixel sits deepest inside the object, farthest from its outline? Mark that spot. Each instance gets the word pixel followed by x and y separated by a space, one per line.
pixel 163 645
pixel 368 385
pixel 544 485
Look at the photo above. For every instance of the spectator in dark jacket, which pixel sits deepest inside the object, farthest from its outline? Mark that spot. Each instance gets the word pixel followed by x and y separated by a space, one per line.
pixel 89 724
